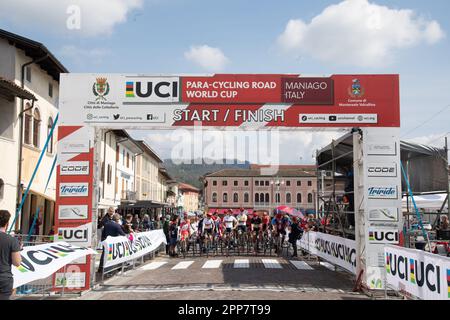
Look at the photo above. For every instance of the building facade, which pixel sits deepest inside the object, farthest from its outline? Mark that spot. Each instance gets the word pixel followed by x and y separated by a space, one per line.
pixel 188 197
pixel 248 188
pixel 25 128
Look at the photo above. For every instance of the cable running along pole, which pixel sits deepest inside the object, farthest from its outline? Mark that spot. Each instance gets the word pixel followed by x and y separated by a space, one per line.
pixel 34 173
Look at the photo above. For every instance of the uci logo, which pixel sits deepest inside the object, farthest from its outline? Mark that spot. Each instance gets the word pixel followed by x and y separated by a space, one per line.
pixel 152 89
pixel 73 235
pixel 383 236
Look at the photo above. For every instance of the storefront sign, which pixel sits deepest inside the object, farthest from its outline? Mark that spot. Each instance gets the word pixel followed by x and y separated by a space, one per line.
pixel 120 249
pixel 337 250
pixel 41 261
pixel 418 273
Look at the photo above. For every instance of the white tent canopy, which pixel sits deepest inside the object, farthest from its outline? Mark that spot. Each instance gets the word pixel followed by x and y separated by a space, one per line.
pixel 427 201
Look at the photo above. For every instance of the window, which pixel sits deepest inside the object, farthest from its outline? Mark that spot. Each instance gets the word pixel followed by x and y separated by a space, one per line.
pixel 214 182
pixel 235 197
pixel 288 183
pixel 246 183
pixel 256 183
pixel 109 176
pixel 299 198
pixel 310 200
pixel 261 197
pixel 224 182
pixel 214 197
pixel 28 122
pixel 267 183
pixel 50 90
pixel 28 73
pixel 116 185
pixel 267 198
pixel 309 183
pixel 246 197
pixel 277 198
pixel 50 142
pixel 2 188
pixel 123 157
pixel 288 198
pixel 36 127
pixel 128 160
pixel 102 172
pixel 235 183
pixel 117 153
pixel 256 198
pixel 299 183
pixel 225 197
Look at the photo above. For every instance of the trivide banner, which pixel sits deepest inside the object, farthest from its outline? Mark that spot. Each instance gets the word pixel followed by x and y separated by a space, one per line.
pixel 336 250
pixel 120 249
pixel 417 273
pixel 41 261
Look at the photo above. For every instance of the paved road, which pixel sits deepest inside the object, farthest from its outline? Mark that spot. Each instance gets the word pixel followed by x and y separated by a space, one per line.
pixel 228 278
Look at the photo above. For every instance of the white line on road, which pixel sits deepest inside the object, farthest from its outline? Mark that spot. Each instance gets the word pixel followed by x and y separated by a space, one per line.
pixel 271 264
pixel 153 265
pixel 301 265
pixel 212 264
pixel 183 265
pixel 327 265
pixel 241 263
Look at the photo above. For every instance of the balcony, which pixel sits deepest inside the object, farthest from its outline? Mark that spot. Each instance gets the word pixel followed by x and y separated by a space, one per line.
pixel 128 195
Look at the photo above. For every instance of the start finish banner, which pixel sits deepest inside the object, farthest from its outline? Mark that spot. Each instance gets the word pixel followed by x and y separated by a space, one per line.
pixel 119 249
pixel 41 261
pixel 262 100
pixel 417 273
pixel 337 250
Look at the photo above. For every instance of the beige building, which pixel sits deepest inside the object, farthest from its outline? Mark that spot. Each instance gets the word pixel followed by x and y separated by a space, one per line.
pixel 25 127
pixel 188 197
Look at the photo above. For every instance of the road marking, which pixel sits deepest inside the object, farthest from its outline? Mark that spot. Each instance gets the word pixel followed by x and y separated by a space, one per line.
pixel 241 263
pixel 153 265
pixel 327 265
pixel 182 265
pixel 271 264
pixel 301 265
pixel 212 264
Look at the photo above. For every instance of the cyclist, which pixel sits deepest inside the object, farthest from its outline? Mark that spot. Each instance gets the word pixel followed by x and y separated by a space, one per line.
pixel 256 226
pixel 280 223
pixel 265 221
pixel 242 221
pixel 208 226
pixel 185 231
pixel 229 222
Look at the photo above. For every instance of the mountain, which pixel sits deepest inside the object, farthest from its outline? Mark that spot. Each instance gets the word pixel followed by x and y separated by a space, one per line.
pixel 191 172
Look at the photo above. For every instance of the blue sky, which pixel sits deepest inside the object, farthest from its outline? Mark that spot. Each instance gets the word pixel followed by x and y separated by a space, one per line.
pixel 164 36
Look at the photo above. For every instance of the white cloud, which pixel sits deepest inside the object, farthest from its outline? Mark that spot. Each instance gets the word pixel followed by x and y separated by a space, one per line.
pixel 97 17
pixel 357 32
pixel 209 58
pixel 435 139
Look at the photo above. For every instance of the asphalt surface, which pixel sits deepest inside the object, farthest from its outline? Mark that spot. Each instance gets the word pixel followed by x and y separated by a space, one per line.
pixel 277 279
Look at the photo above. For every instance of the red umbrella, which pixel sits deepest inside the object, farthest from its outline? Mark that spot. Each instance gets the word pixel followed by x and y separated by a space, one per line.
pixel 285 209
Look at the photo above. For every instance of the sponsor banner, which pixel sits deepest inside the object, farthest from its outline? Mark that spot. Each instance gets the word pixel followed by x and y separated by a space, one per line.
pixel 81 235
pixel 72 212
pixel 70 280
pixel 156 100
pixel 383 235
pixel 76 189
pixel 384 192
pixel 338 118
pixel 120 249
pixel 73 146
pixel 383 214
pixel 418 273
pixel 41 261
pixel 388 169
pixel 337 250
pixel 74 168
pixel 382 149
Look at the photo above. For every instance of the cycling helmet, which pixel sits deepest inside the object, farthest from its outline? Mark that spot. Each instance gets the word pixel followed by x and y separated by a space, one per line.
pixel 279 216
pixel 209 214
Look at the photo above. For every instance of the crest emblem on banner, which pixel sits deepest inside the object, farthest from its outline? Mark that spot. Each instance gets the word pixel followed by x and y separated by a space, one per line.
pixel 100 88
pixel 356 90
